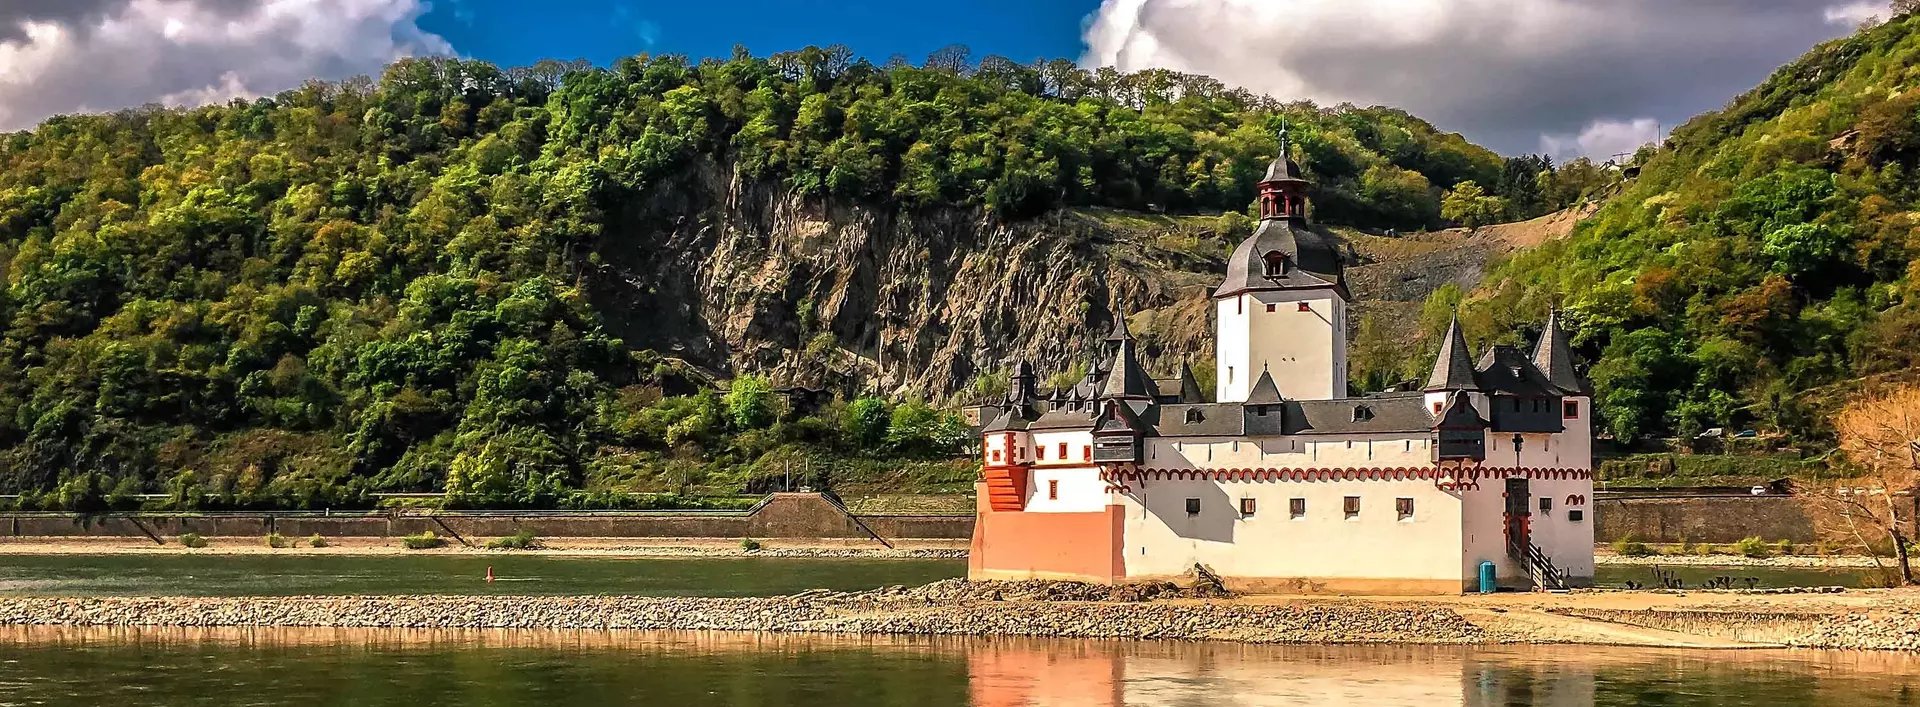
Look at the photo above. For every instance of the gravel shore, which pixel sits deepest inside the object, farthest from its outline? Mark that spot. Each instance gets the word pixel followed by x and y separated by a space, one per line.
pixel 945 608
pixel 1882 620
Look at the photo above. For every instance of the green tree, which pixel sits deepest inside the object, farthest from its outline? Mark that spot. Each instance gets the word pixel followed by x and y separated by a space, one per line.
pixel 749 402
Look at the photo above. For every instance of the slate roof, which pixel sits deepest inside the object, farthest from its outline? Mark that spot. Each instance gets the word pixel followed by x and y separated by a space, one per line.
pixel 1315 259
pixel 1553 355
pixel 1214 420
pixel 1125 379
pixel 1504 369
pixel 1283 168
pixel 1063 419
pixel 1390 413
pixel 1453 368
pixel 1265 392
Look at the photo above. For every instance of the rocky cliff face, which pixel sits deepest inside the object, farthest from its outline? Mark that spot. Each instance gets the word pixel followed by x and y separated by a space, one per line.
pixel 737 276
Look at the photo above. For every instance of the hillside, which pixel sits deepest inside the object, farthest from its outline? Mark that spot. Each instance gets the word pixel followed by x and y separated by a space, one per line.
pixel 515 285
pixel 1765 255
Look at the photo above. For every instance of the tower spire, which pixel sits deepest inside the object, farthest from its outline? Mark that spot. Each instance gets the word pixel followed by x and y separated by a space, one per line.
pixel 1453 368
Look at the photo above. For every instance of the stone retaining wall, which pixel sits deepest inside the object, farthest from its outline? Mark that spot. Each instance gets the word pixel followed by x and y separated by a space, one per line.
pixel 786 515
pixel 1714 519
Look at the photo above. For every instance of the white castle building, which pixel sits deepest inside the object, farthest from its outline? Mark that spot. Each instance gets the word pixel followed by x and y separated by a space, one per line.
pixel 1281 483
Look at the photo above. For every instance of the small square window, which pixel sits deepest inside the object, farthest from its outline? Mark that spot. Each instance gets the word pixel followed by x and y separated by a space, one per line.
pixel 1193 506
pixel 1246 507
pixel 1546 504
pixel 1304 307
pixel 1296 508
pixel 996 455
pixel 1352 507
pixel 1269 307
pixel 1576 516
pixel 1053 489
pixel 1403 507
pixel 1570 409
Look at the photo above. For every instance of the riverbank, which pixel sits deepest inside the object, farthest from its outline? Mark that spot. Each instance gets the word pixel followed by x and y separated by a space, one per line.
pixel 560 547
pixel 1881 620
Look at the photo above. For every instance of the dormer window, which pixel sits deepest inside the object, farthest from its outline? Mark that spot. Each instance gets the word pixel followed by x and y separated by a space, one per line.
pixel 1362 413
pixel 1193 416
pixel 1277 265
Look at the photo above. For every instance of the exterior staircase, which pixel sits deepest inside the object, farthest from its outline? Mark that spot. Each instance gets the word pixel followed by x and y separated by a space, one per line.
pixel 1006 489
pixel 1546 577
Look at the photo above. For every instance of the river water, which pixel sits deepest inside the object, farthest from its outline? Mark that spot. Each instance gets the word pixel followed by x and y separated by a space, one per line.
pixel 288 575
pixel 61 667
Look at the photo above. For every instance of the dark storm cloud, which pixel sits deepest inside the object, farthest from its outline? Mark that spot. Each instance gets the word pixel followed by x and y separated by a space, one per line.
pixel 1516 75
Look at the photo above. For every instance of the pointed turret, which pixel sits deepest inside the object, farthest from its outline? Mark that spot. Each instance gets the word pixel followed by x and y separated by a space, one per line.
pixel 1125 378
pixel 1553 355
pixel 1190 386
pixel 1265 391
pixel 1119 332
pixel 1453 368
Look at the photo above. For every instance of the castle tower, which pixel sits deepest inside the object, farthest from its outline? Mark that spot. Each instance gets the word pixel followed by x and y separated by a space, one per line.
pixel 1283 306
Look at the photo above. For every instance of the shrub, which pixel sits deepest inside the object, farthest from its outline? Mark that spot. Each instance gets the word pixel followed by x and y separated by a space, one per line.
pixel 424 541
pixel 522 540
pixel 1627 546
pixel 1705 549
pixel 1753 547
pixel 1784 547
pixel 749 544
pixel 317 541
pixel 276 540
pixel 192 540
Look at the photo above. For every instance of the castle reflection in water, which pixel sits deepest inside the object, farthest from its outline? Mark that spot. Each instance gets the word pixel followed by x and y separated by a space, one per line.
pixel 1110 675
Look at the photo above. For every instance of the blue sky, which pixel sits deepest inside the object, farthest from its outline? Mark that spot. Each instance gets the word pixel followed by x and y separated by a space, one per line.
pixel 516 32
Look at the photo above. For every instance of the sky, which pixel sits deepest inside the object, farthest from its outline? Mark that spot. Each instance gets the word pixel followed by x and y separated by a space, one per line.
pixel 1562 77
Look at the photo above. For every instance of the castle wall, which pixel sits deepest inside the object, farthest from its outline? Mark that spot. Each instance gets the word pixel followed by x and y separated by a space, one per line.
pixel 1323 550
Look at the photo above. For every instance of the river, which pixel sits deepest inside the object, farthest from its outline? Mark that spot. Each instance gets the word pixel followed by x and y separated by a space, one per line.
pixel 62 667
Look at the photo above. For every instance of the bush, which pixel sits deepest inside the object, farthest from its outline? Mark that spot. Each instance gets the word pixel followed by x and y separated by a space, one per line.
pixel 423 541
pixel 749 544
pixel 192 540
pixel 1627 546
pixel 277 541
pixel 1753 547
pixel 1705 549
pixel 1784 547
pixel 522 540
pixel 316 541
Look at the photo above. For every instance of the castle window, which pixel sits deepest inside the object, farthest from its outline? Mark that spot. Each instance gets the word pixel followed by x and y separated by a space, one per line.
pixel 1305 307
pixel 1240 304
pixel 1086 452
pixel 1053 489
pixel 1516 405
pixel 1436 409
pixel 996 455
pixel 1276 263
pixel 1040 452
pixel 1546 504
pixel 1246 508
pixel 1193 506
pixel 1403 508
pixel 1576 516
pixel 1296 508
pixel 1351 507
pixel 1570 409
pixel 1362 413
pixel 1063 451
pixel 1269 307
pixel 1229 375
pixel 1260 410
pixel 1193 416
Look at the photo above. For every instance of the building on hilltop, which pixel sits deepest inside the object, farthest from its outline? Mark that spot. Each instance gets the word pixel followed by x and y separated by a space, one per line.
pixel 1280 482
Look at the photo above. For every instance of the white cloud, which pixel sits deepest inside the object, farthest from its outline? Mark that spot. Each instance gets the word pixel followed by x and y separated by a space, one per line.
pixel 185 52
pixel 1603 139
pixel 1854 13
pixel 1504 72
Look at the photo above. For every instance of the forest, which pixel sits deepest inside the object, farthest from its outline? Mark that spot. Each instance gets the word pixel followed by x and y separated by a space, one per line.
pixel 376 286
pixel 1761 267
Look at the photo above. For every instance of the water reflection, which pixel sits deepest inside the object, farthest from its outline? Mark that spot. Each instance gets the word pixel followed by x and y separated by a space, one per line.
pixel 61 666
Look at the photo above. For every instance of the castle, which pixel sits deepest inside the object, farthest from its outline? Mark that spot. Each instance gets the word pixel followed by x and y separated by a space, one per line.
pixel 1280 482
